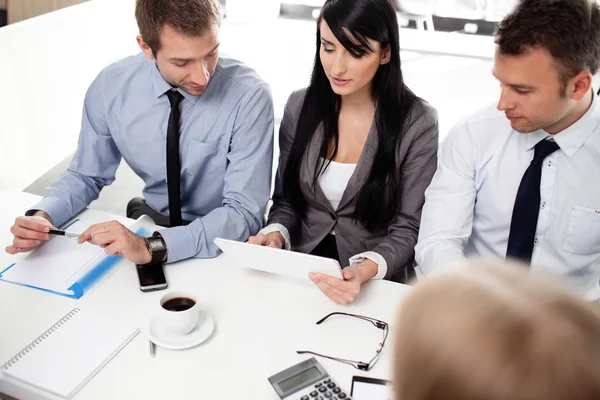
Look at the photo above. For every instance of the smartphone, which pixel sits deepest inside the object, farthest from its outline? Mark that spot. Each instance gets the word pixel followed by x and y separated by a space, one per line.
pixel 152 277
pixel 365 388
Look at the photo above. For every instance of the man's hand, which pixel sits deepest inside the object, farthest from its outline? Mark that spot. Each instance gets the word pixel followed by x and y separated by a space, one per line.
pixel 345 290
pixel 273 239
pixel 115 238
pixel 29 232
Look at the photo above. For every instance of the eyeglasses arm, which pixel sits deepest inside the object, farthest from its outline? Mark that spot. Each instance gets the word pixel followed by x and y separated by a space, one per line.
pixel 379 324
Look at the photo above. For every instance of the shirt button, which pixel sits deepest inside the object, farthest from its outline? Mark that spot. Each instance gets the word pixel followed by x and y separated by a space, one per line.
pixel 535 241
pixel 543 204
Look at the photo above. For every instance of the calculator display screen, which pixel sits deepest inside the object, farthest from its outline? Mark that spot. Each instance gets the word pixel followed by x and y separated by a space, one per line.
pixel 299 379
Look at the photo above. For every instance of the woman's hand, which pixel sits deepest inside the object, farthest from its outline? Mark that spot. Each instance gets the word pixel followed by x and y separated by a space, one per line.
pixel 345 290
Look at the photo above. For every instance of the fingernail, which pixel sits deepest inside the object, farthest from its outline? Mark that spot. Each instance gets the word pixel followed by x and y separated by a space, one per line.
pixel 46 229
pixel 37 242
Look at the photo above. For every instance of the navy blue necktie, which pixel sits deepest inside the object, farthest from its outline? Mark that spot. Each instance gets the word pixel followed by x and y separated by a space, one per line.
pixel 173 161
pixel 527 205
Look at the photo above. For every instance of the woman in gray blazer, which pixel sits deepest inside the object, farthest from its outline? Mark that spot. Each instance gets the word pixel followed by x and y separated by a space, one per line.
pixel 357 151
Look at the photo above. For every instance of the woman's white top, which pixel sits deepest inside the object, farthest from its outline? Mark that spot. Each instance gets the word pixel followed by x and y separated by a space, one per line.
pixel 333 181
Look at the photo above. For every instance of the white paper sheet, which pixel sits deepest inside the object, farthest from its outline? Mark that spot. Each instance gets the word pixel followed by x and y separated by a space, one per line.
pixel 65 267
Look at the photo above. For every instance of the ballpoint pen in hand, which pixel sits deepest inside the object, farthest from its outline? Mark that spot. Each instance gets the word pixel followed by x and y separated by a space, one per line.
pixel 59 232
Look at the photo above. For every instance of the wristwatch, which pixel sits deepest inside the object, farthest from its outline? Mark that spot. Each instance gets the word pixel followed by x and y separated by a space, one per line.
pixel 156 247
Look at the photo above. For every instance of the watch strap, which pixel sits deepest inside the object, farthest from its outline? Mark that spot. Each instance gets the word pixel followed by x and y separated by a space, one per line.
pixel 156 247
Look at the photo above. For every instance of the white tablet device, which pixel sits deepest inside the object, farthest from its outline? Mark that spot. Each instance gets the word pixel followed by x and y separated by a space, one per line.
pixel 277 261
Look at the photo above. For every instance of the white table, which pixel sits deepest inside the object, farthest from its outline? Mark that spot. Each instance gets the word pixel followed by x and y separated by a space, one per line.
pixel 261 320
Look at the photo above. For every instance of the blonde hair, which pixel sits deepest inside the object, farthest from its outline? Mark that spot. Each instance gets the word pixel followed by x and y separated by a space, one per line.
pixel 496 332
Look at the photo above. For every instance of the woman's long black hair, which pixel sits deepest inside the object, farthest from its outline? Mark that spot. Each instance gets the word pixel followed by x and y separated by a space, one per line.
pixel 364 19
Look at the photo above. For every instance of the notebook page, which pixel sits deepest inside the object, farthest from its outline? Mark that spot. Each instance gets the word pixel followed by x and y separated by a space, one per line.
pixel 56 263
pixel 67 358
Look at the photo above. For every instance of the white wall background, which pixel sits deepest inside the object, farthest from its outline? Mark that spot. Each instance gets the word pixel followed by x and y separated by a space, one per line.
pixel 47 63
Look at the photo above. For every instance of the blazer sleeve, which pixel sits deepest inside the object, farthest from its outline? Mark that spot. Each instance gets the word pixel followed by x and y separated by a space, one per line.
pixel 416 171
pixel 281 211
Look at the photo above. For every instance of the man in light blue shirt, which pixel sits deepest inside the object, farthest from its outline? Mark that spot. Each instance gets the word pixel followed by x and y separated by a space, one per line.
pixel 225 140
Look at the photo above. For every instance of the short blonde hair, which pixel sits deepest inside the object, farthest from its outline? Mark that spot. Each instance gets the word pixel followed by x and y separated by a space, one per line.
pixel 496 332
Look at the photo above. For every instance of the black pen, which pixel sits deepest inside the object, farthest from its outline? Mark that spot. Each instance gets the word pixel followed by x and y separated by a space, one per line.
pixel 63 233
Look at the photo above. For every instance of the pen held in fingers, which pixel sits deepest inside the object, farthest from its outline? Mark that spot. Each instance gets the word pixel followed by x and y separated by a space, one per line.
pixel 59 232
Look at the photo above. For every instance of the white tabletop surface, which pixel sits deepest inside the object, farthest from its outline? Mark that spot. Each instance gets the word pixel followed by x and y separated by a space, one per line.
pixel 261 320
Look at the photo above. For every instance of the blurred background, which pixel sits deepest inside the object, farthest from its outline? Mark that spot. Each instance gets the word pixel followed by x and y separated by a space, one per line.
pixel 51 50
pixel 449 14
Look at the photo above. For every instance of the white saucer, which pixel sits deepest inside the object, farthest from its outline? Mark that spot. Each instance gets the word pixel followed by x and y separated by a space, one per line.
pixel 161 337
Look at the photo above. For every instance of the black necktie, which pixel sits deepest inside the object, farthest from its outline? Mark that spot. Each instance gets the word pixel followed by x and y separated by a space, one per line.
pixel 527 205
pixel 173 162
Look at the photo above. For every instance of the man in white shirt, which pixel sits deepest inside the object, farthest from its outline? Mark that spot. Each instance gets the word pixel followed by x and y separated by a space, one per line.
pixel 522 179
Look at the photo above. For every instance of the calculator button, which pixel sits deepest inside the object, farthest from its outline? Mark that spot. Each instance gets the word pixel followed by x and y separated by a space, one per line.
pixel 327 380
pixel 337 390
pixel 323 389
pixel 331 385
pixel 328 394
pixel 320 398
pixel 318 385
pixel 342 396
pixel 304 398
pixel 314 394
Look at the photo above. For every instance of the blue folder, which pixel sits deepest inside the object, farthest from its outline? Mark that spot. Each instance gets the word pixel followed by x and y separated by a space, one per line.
pixel 34 270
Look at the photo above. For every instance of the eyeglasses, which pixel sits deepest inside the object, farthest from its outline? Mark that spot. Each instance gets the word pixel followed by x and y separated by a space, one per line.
pixel 356 364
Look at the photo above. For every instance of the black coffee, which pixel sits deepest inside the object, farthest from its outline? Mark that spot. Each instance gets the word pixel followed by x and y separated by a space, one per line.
pixel 179 304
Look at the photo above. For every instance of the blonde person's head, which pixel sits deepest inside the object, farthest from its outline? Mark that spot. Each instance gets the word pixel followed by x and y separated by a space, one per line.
pixel 496 332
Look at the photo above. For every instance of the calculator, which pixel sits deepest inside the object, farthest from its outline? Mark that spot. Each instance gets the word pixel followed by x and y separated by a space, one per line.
pixel 307 380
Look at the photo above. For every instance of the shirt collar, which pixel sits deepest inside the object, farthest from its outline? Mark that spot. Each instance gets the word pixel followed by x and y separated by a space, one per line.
pixel 161 86
pixel 534 138
pixel 571 139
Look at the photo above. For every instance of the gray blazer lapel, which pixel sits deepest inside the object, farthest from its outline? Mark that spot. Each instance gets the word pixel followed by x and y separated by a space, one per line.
pixel 309 165
pixel 361 173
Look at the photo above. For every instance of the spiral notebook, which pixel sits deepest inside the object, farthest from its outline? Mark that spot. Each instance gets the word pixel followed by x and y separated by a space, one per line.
pixel 65 357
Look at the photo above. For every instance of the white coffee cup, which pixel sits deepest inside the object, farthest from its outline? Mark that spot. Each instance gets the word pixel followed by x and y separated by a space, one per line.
pixel 180 312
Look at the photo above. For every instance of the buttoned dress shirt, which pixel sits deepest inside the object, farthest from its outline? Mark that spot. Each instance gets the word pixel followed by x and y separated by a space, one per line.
pixel 469 204
pixel 226 150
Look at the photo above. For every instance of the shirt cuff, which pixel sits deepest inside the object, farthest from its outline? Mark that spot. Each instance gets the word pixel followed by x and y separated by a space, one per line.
pixel 55 208
pixel 376 258
pixel 281 229
pixel 180 243
pixel 439 260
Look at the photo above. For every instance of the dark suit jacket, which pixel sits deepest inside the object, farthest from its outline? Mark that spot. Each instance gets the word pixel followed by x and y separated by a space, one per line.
pixel 417 161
